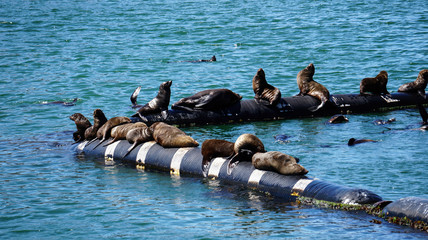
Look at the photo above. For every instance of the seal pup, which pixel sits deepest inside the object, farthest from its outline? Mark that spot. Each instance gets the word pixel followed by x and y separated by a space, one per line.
pixel 213 148
pixel 376 85
pixel 338 118
pixel 278 162
pixel 263 91
pixel 308 86
pixel 171 137
pixel 353 141
pixel 82 123
pixel 158 104
pixel 418 86
pixel 99 120
pixel 104 132
pixel 244 148
pixel 137 136
pixel 134 96
pixel 119 132
pixel 211 99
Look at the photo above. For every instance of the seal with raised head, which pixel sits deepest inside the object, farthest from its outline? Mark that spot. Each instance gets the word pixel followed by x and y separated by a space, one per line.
pixel 376 85
pixel 244 148
pixel 171 137
pixel 104 132
pixel 211 100
pixel 158 104
pixel 278 162
pixel 418 86
pixel 82 123
pixel 308 86
pixel 119 132
pixel 353 141
pixel 213 148
pixel 137 136
pixel 264 92
pixel 99 120
pixel 338 118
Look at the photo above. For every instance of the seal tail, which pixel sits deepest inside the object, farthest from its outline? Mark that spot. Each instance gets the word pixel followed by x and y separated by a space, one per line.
pixel 110 142
pixel 130 149
pixel 134 97
pixel 316 108
pixel 233 162
pixel 102 140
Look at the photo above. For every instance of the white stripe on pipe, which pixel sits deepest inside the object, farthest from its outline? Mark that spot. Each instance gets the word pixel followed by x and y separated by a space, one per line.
pixel 301 184
pixel 215 167
pixel 255 176
pixel 142 153
pixel 176 160
pixel 82 145
pixel 110 151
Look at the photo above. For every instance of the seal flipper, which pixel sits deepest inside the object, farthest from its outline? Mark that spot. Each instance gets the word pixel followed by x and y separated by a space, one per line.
pixel 423 113
pixel 316 108
pixel 130 149
pixel 164 114
pixel 422 93
pixel 134 97
pixel 233 162
pixel 102 140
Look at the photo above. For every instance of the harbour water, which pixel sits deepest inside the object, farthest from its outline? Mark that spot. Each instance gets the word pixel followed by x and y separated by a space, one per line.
pixel 100 51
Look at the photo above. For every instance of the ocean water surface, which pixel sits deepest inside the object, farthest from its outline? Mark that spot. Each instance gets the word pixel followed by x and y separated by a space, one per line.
pixel 100 51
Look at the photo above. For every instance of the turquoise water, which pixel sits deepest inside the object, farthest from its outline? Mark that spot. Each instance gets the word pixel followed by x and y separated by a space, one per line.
pixel 100 51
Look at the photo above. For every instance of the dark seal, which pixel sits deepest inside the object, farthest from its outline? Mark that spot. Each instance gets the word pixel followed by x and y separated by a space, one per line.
pixel 338 118
pixel 82 123
pixel 244 148
pixel 159 104
pixel 211 100
pixel 119 132
pixel 278 162
pixel 418 86
pixel 308 86
pixel 263 91
pixel 376 85
pixel 104 132
pixel 99 120
pixel 353 141
pixel 213 148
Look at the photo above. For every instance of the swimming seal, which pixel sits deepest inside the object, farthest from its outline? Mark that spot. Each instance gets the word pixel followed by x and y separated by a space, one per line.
pixel 278 162
pixel 99 120
pixel 353 141
pixel 383 122
pixel 158 104
pixel 171 137
pixel 418 86
pixel 264 91
pixel 119 132
pixel 308 86
pixel 213 148
pixel 376 85
pixel 211 100
pixel 104 132
pixel 82 123
pixel 212 59
pixel 338 118
pixel 244 148
pixel 137 136
pixel 68 104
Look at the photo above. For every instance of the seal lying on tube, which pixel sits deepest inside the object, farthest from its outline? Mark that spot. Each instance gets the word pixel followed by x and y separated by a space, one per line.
pixel 171 137
pixel 212 99
pixel 418 86
pixel 278 162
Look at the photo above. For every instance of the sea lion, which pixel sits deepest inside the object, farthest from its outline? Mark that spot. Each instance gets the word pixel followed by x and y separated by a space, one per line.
pixel 119 132
pixel 158 104
pixel 213 148
pixel 278 162
pixel 134 97
pixel 171 137
pixel 308 86
pixel 338 118
pixel 374 86
pixel 281 138
pixel 353 141
pixel 82 123
pixel 212 99
pixel 99 120
pixel 137 136
pixel 264 91
pixel 64 103
pixel 104 132
pixel 383 122
pixel 244 148
pixel 418 86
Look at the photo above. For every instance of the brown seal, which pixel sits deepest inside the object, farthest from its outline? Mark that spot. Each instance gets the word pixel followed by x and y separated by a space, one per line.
pixel 212 99
pixel 338 118
pixel 308 86
pixel 278 162
pixel 418 86
pixel 104 132
pixel 376 85
pixel 213 148
pixel 159 104
pixel 171 137
pixel 353 141
pixel 137 136
pixel 244 148
pixel 82 123
pixel 264 91
pixel 119 132
pixel 99 120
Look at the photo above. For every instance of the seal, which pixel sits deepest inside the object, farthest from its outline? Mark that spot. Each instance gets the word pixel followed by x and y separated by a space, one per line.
pixel 134 96
pixel 263 91
pixel 213 148
pixel 119 132
pixel 338 118
pixel 64 103
pixel 244 148
pixel 104 132
pixel 137 136
pixel 99 120
pixel 171 137
pixel 211 100
pixel 418 86
pixel 383 122
pixel 158 104
pixel 278 162
pixel 353 141
pixel 82 123
pixel 374 86
pixel 308 86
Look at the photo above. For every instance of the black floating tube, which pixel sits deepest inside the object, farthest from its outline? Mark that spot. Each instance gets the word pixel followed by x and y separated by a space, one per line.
pixel 289 107
pixel 414 208
pixel 188 161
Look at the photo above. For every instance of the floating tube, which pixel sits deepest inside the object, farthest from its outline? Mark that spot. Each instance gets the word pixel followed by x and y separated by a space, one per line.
pixel 289 107
pixel 413 208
